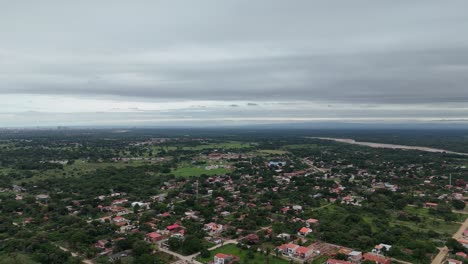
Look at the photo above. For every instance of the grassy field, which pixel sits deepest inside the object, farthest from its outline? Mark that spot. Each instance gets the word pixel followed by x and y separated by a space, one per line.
pixel 320 260
pixel 242 254
pixel 76 169
pixel 221 145
pixel 272 152
pixel 224 145
pixel 190 171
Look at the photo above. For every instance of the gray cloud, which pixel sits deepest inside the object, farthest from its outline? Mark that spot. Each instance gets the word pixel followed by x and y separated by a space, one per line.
pixel 272 52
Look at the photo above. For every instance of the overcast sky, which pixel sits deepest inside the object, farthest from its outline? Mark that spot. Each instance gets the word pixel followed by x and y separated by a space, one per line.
pixel 144 63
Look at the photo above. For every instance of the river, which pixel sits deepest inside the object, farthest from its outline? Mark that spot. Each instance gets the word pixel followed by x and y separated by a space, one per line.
pixel 389 146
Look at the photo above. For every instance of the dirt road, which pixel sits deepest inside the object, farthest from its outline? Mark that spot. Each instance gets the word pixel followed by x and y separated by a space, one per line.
pixel 439 259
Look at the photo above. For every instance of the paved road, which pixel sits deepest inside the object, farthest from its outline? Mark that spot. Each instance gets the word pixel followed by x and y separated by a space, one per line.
pixel 444 251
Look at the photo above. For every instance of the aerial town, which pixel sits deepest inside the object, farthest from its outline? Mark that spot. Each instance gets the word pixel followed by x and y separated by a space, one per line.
pixel 140 197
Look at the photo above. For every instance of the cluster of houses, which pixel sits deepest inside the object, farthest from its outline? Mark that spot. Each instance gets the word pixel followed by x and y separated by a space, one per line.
pixel 118 209
pixel 304 253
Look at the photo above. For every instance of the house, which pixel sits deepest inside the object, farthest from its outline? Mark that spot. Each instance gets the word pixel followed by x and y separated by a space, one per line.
pixel 284 236
pixel 454 261
pixel 225 214
pixel 430 205
pixel 311 222
pixel 221 258
pixel 173 227
pixel 101 243
pixel 297 207
pixel 304 252
pixel 276 163
pixel 381 249
pixel 119 201
pixel 464 242
pixel 287 249
pixel 213 228
pixel 252 239
pixel 153 237
pixel 355 256
pixel 304 231
pixel 119 220
pixel 337 261
pixel 141 205
pixel 462 254
pixel 42 197
pixel 378 259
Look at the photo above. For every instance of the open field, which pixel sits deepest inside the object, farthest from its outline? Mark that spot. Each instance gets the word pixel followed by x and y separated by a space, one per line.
pixel 242 254
pixel 190 171
pixel 76 169
pixel 272 151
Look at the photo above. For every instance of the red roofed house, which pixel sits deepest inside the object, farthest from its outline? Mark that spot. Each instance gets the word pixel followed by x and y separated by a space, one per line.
pixel 464 242
pixel 430 205
pixel 304 231
pixel 251 239
pixel 312 221
pixel 221 258
pixel 378 259
pixel 166 214
pixel 304 252
pixel 173 227
pixel 213 228
pixel 337 261
pixel 101 243
pixel 462 254
pixel 154 237
pixel 119 220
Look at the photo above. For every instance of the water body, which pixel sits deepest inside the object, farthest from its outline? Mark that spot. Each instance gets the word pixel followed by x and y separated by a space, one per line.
pixel 390 146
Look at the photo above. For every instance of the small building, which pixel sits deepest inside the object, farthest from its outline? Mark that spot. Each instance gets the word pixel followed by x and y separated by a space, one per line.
pixel 304 231
pixel 355 256
pixel 381 249
pixel 154 237
pixel 287 249
pixel 173 227
pixel 454 261
pixel 430 205
pixel 311 222
pixel 221 258
pixel 252 239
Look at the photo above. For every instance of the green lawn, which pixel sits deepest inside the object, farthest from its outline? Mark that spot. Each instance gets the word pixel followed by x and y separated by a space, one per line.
pixel 242 254
pixel 190 171
pixel 78 168
pixel 320 260
pixel 272 151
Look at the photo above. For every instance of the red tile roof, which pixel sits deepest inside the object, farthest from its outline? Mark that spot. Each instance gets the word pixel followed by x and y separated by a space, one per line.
pixel 376 258
pixel 302 250
pixel 172 227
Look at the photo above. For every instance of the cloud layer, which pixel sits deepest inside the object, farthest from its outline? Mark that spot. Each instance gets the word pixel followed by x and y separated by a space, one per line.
pixel 232 59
